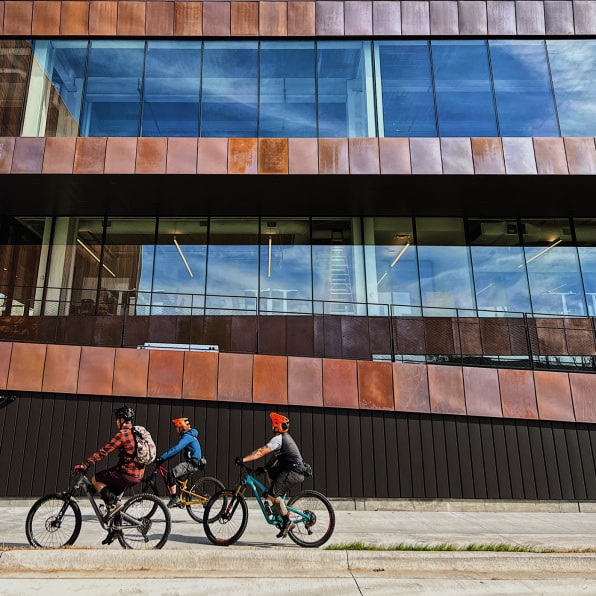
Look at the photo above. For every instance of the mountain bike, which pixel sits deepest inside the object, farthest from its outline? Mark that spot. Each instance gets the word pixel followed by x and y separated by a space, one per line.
pixel 55 520
pixel 192 499
pixel 226 513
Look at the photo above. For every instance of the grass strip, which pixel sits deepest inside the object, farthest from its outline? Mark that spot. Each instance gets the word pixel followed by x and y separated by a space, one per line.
pixel 445 546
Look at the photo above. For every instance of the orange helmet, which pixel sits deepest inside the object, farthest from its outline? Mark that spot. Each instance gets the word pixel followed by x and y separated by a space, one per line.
pixel 181 423
pixel 280 423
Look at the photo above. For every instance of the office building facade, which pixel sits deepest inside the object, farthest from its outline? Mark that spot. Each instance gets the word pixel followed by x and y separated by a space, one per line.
pixel 373 216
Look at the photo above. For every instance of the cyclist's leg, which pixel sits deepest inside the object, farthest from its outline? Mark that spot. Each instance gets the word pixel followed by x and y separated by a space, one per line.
pixel 283 481
pixel 179 471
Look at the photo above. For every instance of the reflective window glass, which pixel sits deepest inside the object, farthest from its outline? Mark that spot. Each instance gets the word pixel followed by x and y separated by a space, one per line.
pixel 525 102
pixel 229 101
pixel 573 67
pixel 465 102
pixel 112 99
pixel 345 96
pixel 15 66
pixel 500 285
pixel 585 232
pixel 405 89
pixel 171 90
pixel 287 97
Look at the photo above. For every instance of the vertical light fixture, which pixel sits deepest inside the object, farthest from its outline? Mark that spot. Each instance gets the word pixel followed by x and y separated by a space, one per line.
pixel 400 254
pixel 183 257
pixel 269 258
pixel 541 252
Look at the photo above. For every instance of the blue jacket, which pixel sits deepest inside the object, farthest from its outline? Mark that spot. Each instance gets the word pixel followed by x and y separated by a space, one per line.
pixel 189 442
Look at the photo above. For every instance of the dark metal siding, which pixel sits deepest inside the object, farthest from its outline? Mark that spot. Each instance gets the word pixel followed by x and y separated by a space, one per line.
pixel 354 453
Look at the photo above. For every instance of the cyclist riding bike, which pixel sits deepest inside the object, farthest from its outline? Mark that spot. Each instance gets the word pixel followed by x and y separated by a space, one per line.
pixel 281 467
pixel 193 457
pixel 110 483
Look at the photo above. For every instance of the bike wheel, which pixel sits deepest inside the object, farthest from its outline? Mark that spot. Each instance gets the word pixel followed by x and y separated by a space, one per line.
pixel 225 518
pixel 144 522
pixel 205 487
pixel 142 488
pixel 53 521
pixel 318 528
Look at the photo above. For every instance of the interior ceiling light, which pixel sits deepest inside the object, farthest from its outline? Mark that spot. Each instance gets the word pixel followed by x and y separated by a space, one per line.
pixel 82 244
pixel 541 252
pixel 400 254
pixel 183 257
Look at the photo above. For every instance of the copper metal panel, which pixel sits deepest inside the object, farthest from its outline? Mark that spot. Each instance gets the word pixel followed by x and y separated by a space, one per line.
pixel 305 381
pixel 188 18
pixel 330 18
pixel 581 155
pixel 121 155
pixel 410 387
pixel 244 333
pixel 340 383
pixel 273 19
pixel 415 18
pixel 234 379
pixel 439 335
pixel 162 329
pixel 333 156
pixel 472 17
pixel 550 155
pixel 5 351
pixel 518 395
pixel 301 19
pixel 553 394
pixel 200 375
pixel 354 337
pixel 580 342
pixel 131 371
pixel 558 16
pixel 165 373
pixel 550 341
pixel 584 16
pixel 6 153
pixel 270 381
pixel 583 394
pixel 75 18
pixel 245 18
pixel 495 336
pixel 303 156
pixel 90 155
pixel 46 18
pixel 151 155
pixel 28 155
pixel 358 17
pixel 409 335
pixel 26 367
pixel 96 372
pixel 61 370
pixel 470 340
pixel 426 156
pixel 386 17
pixel 160 18
pixel 364 156
pixel 59 155
pixel 212 157
pixel 272 335
pixel 273 156
pixel 444 18
pixel 131 18
pixel 501 17
pixel 218 330
pixel 519 155
pixel 103 17
pixel 136 331
pixel 481 388
pixel 78 330
pixel 242 156
pixel 488 156
pixel 394 156
pixel 375 385
pixel 1 17
pixel 216 19
pixel 182 155
pixel 18 17
pixel 446 389
pixel 300 336
pixel 530 17
pixel 456 155
pixel 379 335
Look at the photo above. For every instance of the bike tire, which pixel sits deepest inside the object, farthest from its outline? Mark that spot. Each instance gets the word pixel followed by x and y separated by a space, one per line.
pixel 45 530
pixel 206 487
pixel 225 518
pixel 155 523
pixel 319 530
pixel 142 488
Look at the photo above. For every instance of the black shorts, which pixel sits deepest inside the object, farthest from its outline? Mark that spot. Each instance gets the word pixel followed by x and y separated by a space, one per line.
pixel 116 478
pixel 283 480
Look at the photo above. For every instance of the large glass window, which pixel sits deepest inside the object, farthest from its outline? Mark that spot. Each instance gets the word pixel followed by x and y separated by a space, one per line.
pixel 405 93
pixel 112 101
pixel 171 90
pixel 523 89
pixel 345 90
pixel 585 232
pixel 465 101
pixel 230 94
pixel 15 70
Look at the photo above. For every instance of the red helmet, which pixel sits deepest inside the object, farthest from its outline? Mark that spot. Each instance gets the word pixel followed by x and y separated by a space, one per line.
pixel 181 423
pixel 280 423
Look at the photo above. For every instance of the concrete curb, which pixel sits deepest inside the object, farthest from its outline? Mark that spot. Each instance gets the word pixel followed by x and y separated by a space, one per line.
pixel 309 562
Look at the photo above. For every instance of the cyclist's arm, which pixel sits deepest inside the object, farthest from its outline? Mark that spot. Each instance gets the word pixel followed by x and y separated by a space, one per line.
pixel 257 454
pixel 177 448
pixel 112 445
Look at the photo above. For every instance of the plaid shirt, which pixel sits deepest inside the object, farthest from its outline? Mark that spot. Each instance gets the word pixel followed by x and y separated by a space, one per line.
pixel 123 440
